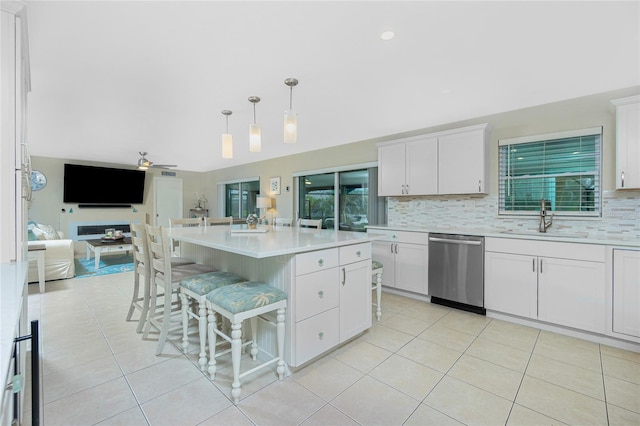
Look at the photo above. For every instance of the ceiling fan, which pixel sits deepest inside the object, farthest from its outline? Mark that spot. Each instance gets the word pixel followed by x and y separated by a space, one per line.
pixel 144 164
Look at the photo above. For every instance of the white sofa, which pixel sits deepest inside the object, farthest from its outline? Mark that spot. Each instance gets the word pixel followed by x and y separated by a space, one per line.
pixel 58 256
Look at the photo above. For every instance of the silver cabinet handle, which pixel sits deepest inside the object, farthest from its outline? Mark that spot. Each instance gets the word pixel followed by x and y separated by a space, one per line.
pixel 479 186
pixel 344 276
pixel 358 253
pixel 392 247
pixel 540 265
pixel 448 241
pixel 320 262
pixel 533 264
pixel 407 190
pixel 622 178
pixel 321 335
pixel 321 294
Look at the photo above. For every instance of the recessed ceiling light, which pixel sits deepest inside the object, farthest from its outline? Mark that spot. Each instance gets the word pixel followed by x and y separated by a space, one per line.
pixel 387 35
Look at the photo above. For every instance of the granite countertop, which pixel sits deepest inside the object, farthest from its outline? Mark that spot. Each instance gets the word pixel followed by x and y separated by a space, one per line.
pixel 524 234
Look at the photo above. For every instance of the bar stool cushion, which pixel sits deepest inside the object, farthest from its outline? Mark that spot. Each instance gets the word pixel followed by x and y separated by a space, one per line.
pixel 205 283
pixel 245 296
pixel 376 265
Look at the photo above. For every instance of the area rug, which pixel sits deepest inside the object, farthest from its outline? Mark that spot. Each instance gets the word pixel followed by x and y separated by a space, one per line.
pixel 110 264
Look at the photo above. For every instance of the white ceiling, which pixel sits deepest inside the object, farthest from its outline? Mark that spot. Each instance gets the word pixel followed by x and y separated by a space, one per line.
pixel 113 78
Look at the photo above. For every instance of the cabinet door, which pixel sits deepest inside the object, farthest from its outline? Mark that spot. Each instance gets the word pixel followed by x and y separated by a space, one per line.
pixel 462 163
pixel 355 299
pixel 383 252
pixel 422 167
pixel 628 145
pixel 626 292
pixel 391 170
pixel 411 267
pixel 572 293
pixel 511 284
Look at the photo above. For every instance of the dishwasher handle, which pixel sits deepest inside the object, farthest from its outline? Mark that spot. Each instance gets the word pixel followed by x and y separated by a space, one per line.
pixel 448 241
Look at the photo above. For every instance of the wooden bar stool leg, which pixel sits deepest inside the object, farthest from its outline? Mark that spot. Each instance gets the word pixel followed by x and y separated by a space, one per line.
pixel 254 338
pixel 202 329
pixel 236 349
pixel 212 325
pixel 378 295
pixel 280 369
pixel 184 305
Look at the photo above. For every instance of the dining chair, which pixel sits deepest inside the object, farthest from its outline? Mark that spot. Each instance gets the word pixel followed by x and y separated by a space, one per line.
pixel 216 221
pixel 166 278
pixel 281 221
pixel 310 223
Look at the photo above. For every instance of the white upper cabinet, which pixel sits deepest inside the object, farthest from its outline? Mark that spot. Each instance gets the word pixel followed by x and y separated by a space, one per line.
pixel 627 142
pixel 449 162
pixel 408 168
pixel 463 162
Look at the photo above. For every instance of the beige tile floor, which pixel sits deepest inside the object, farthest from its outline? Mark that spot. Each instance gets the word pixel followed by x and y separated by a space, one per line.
pixel 423 364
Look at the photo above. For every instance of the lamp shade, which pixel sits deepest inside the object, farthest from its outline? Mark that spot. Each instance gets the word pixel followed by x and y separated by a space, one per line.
pixel 227 145
pixel 263 202
pixel 255 136
pixel 290 126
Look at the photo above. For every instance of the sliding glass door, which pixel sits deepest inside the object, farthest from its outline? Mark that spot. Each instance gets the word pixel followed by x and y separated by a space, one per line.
pixel 341 199
pixel 240 198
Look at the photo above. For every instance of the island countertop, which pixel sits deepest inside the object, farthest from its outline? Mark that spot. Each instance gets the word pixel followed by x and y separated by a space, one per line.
pixel 274 242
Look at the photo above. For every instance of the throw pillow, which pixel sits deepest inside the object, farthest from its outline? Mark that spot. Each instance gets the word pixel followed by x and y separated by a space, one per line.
pixel 49 232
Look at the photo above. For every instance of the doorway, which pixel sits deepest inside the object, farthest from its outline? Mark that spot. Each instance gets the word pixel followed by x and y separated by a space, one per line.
pixel 167 197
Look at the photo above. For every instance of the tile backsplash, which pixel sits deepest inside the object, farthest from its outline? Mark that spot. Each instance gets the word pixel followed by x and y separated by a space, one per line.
pixel 620 215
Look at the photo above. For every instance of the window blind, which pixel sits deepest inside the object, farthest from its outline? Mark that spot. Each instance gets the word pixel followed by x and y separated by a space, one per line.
pixel 563 169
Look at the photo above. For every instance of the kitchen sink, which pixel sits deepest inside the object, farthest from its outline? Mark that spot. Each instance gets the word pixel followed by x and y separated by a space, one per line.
pixel 536 233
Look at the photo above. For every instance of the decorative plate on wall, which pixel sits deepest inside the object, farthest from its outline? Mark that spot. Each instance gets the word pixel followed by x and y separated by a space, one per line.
pixel 38 180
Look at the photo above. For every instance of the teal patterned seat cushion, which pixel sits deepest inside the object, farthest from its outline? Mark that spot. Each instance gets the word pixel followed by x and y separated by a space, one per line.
pixel 245 296
pixel 205 283
pixel 376 265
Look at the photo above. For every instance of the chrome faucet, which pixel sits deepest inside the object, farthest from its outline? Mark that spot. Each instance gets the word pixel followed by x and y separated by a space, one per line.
pixel 543 214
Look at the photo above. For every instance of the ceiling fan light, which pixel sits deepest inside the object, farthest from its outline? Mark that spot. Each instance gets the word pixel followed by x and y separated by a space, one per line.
pixel 290 126
pixel 227 145
pixel 255 138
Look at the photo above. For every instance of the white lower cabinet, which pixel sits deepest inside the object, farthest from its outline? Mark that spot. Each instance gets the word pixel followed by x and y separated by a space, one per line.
pixel 332 298
pixel 404 258
pixel 561 283
pixel 626 292
pixel 511 284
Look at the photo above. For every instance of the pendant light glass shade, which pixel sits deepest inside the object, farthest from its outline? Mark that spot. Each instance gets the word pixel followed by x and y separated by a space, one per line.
pixel 290 126
pixel 290 116
pixel 255 136
pixel 227 138
pixel 255 133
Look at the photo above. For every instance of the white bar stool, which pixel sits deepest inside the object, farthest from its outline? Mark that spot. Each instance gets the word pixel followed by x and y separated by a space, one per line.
pixel 237 302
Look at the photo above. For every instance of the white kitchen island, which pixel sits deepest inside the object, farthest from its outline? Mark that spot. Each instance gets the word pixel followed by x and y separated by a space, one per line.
pixel 326 274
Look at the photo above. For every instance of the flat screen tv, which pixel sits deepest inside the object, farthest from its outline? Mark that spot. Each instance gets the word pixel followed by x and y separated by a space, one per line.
pixel 102 186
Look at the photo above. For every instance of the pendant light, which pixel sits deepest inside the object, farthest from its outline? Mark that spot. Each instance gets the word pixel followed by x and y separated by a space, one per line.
pixel 290 116
pixel 227 138
pixel 254 130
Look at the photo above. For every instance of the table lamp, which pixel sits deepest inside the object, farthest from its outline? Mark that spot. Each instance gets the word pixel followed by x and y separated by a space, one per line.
pixel 263 203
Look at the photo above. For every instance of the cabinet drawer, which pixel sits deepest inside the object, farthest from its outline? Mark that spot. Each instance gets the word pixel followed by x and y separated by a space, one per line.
pixel 355 253
pixel 402 236
pixel 317 335
pixel 316 293
pixel 314 261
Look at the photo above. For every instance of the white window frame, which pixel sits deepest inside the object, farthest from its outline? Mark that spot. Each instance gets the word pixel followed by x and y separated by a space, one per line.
pixel 597 213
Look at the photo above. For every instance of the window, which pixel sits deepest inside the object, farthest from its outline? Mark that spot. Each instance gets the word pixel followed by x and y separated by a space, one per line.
pixel 240 198
pixel 562 168
pixel 344 195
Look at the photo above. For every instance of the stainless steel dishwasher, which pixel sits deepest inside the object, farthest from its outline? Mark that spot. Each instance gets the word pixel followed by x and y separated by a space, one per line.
pixel 456 271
